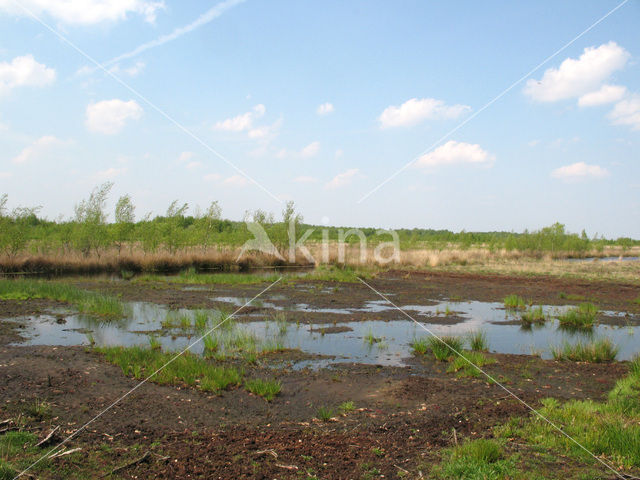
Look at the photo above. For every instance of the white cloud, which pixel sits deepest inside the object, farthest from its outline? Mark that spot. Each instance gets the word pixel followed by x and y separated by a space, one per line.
pixel 575 78
pixel 86 12
pixel 109 173
pixel 627 112
pixel 310 150
pixel 305 179
pixel 38 148
pixel 325 109
pixel 203 19
pixel 456 153
pixel 193 165
pixel 415 110
pixel 110 116
pixel 533 143
pixel 236 181
pixel 24 71
pixel 578 171
pixel 185 157
pixel 243 122
pixel 212 177
pixel 342 179
pixel 606 94
pixel 132 71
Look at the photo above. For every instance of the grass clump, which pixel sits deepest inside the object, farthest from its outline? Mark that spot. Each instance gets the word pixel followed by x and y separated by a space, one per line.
pixel 346 407
pixel 514 302
pixel 371 339
pixel 324 414
pixel 478 341
pixel 420 345
pixel 464 365
pixel 533 315
pixel 187 369
pixel 444 347
pixel 582 316
pixel 595 352
pixel 267 389
pixel 476 460
pixel 85 301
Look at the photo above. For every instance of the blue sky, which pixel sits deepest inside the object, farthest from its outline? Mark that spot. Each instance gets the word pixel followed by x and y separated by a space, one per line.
pixel 322 102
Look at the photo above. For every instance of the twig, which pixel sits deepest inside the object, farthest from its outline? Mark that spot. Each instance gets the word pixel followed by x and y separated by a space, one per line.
pixel 269 451
pixel 47 438
pixel 288 467
pixel 143 458
pixel 62 454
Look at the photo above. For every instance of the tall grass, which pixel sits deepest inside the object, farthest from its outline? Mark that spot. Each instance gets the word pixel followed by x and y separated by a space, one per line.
pixel 597 351
pixel 83 300
pixel 582 316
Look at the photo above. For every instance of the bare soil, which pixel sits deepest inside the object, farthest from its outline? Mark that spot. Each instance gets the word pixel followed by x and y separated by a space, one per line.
pixel 404 416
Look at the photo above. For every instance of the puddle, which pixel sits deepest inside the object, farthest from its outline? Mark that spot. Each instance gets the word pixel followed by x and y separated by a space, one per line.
pixel 604 259
pixel 390 340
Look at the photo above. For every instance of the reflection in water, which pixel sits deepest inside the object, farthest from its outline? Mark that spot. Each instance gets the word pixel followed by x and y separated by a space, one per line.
pixel 504 334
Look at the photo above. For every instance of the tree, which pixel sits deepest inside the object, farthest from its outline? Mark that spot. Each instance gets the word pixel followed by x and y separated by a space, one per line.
pixel 125 218
pixel 207 221
pixel 91 217
pixel 172 224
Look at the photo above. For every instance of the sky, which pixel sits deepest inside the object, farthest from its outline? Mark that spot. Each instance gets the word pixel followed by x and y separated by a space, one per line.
pixel 480 116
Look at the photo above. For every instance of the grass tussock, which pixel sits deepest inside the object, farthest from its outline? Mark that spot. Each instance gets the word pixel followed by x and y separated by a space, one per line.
pixel 83 300
pixel 595 352
pixel 478 341
pixel 445 347
pixel 465 364
pixel 188 369
pixel 324 414
pixel 267 389
pixel 533 315
pixel 514 302
pixel 582 316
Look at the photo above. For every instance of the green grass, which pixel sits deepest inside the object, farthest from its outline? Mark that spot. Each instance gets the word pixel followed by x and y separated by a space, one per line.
pixel 595 352
pixel 637 300
pixel 533 315
pixel 281 322
pixel 610 429
pixel 514 302
pixel 582 316
pixel 211 344
pixel 571 296
pixel 188 369
pixel 267 389
pixel 346 407
pixel 420 346
pixel 463 368
pixel 476 460
pixel 478 341
pixel 324 413
pixel 444 347
pixel 370 339
pixel 83 300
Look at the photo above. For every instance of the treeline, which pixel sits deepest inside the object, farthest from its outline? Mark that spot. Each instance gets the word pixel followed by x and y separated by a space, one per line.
pixel 91 232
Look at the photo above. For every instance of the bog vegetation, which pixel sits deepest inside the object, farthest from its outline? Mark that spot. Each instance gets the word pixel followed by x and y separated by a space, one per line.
pixel 188 236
